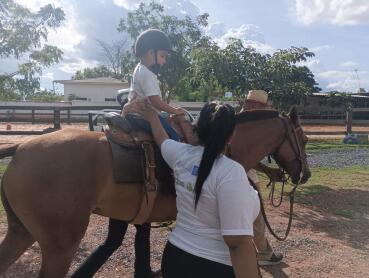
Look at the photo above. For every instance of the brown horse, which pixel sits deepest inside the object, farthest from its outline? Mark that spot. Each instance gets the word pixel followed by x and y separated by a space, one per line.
pixel 54 183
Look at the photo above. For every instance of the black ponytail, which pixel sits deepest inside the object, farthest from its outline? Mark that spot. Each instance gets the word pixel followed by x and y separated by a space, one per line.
pixel 214 127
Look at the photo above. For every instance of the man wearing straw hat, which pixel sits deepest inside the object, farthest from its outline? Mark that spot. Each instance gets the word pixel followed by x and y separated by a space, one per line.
pixel 258 99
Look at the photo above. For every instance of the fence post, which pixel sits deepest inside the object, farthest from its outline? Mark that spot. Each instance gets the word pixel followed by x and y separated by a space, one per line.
pixel 56 118
pixel 33 116
pixel 68 116
pixel 349 121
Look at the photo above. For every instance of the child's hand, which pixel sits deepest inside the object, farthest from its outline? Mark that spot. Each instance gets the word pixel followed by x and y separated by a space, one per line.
pixel 179 111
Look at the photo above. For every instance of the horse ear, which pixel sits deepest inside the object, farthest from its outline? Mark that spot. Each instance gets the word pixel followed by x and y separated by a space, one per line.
pixel 294 116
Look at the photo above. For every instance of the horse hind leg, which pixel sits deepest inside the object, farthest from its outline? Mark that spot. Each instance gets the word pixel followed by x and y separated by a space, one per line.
pixel 56 261
pixel 59 245
pixel 17 238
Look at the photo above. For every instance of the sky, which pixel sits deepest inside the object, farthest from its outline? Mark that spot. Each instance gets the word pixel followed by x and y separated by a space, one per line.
pixel 337 31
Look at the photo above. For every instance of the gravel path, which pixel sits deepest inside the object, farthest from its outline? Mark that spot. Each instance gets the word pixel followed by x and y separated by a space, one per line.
pixel 334 158
pixel 339 158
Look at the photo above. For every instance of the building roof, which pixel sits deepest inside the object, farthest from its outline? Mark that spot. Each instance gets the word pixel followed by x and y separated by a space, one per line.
pixel 352 95
pixel 100 80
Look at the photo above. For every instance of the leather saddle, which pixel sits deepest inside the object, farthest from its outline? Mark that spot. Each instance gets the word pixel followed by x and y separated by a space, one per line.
pixel 132 150
pixel 137 160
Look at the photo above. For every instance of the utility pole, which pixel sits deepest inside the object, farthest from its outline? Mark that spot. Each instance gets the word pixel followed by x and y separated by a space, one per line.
pixel 358 80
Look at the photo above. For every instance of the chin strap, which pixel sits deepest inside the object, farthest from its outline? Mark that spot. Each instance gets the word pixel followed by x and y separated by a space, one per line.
pixel 155 67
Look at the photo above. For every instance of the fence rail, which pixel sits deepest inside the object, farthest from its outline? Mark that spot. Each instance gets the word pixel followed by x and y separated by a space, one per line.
pixel 75 112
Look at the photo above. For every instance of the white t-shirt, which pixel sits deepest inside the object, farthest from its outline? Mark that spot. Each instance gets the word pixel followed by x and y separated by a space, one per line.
pixel 144 83
pixel 228 205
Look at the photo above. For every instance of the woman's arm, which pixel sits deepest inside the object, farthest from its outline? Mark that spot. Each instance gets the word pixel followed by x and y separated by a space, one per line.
pixel 159 104
pixel 159 133
pixel 243 256
pixel 145 109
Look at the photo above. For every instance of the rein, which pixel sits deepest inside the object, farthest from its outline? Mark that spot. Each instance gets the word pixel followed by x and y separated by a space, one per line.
pixel 298 152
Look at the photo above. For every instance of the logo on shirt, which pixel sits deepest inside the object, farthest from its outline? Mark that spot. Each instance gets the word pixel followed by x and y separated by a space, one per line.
pixel 195 170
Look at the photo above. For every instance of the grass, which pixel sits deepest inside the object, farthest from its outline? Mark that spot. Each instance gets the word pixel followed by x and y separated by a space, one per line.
pixel 2 168
pixel 318 145
pixel 354 176
pixel 348 213
pixel 323 180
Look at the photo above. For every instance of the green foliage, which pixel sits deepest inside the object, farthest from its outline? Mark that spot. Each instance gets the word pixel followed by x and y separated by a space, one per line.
pixel 289 83
pixel 99 71
pixel 23 34
pixel 337 99
pixel 3 168
pixel 347 213
pixel 239 69
pixel 45 96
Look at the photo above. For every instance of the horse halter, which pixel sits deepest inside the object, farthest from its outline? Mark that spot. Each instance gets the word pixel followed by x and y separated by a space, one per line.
pixel 291 136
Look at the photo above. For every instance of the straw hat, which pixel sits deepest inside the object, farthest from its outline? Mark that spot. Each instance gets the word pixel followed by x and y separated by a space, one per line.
pixel 258 96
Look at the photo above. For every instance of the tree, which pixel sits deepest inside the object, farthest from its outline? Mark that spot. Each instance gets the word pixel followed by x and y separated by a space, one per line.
pixel 183 33
pixel 205 70
pixel 23 36
pixel 119 63
pixel 99 71
pixel 288 82
pixel 46 96
pixel 341 99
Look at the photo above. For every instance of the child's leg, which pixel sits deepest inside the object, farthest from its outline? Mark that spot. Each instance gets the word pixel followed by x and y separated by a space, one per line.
pixel 139 122
pixel 170 130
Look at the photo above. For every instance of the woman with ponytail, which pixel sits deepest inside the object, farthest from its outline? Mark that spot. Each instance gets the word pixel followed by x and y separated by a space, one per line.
pixel 215 202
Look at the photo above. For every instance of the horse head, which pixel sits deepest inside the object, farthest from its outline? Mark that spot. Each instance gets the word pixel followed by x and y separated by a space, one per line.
pixel 291 154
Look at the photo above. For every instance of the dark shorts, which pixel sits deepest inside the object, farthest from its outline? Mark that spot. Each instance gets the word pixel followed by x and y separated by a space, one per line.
pixel 145 125
pixel 177 263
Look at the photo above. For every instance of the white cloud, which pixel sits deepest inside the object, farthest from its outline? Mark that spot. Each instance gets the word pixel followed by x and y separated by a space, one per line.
pixel 336 12
pixel 68 36
pixel 249 34
pixel 346 81
pixel 321 48
pixel 349 64
pixel 127 4
pixel 314 64
pixel 48 75
pixel 35 5
pixel 74 64
pixel 178 8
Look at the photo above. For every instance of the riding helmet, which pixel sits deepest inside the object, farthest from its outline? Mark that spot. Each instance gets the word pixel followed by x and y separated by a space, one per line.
pixel 152 39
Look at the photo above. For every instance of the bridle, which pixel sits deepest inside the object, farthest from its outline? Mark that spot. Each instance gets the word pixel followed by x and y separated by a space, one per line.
pixel 291 136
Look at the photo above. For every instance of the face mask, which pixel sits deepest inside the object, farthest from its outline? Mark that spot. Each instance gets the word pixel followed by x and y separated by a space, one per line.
pixel 155 68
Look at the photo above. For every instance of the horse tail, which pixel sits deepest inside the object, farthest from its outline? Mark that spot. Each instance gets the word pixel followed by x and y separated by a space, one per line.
pixel 8 150
pixel 17 238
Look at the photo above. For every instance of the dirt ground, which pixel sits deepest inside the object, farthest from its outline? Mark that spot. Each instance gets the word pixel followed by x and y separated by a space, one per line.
pixel 321 243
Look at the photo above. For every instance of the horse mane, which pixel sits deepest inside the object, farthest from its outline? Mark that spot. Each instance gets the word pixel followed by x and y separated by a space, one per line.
pixel 256 115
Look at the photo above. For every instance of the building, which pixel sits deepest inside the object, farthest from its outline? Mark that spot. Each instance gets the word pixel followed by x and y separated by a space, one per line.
pixel 103 89
pixel 316 108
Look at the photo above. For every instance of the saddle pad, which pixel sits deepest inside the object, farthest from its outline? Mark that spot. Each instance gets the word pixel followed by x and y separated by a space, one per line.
pixel 128 164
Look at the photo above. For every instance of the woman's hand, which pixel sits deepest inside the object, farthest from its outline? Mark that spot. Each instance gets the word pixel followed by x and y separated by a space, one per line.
pixel 145 109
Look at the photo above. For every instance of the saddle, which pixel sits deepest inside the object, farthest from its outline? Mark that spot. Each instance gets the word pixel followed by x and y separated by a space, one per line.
pixel 137 160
